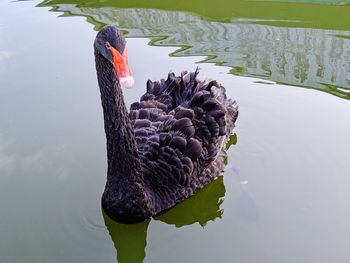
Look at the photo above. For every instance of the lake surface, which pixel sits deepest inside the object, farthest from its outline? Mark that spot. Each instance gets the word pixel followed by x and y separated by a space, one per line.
pixel 284 194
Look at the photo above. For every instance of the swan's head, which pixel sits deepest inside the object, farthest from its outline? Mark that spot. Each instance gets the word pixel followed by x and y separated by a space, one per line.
pixel 111 44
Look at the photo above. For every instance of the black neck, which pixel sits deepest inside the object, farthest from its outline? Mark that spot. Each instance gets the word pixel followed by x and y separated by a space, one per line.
pixel 123 161
pixel 125 198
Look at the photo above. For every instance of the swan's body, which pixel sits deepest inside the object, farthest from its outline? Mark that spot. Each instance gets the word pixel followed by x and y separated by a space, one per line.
pixel 168 146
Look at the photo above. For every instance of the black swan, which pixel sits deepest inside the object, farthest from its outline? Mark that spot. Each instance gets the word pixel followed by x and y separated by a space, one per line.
pixel 130 240
pixel 170 144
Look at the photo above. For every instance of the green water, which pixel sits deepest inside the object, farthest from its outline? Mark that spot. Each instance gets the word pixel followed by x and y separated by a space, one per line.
pixel 284 194
pixel 298 44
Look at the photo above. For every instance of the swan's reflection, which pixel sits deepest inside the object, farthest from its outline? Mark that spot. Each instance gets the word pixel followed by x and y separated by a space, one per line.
pixel 130 240
pixel 201 208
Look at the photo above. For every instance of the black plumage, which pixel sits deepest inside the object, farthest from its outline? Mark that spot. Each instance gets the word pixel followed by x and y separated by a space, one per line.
pixel 169 145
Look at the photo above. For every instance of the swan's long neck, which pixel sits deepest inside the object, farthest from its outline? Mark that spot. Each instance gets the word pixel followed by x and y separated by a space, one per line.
pixel 124 185
pixel 122 153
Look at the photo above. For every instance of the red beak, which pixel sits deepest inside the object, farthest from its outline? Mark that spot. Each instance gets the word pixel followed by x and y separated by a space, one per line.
pixel 120 62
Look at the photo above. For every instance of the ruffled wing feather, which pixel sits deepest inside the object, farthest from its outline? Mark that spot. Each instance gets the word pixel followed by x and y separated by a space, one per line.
pixel 181 125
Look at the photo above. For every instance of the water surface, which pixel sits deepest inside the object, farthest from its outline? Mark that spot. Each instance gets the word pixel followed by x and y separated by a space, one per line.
pixel 284 195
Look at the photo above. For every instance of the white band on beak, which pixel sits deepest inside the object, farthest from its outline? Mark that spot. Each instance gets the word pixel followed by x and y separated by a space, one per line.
pixel 127 82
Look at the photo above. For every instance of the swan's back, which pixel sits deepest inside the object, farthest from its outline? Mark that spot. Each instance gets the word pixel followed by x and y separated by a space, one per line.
pixel 181 125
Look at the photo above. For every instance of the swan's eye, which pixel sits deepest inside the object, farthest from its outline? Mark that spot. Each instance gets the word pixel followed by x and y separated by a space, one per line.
pixel 120 62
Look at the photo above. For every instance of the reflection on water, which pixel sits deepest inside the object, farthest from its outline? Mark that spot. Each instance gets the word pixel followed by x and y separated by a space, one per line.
pixel 130 240
pixel 201 208
pixel 287 202
pixel 303 49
